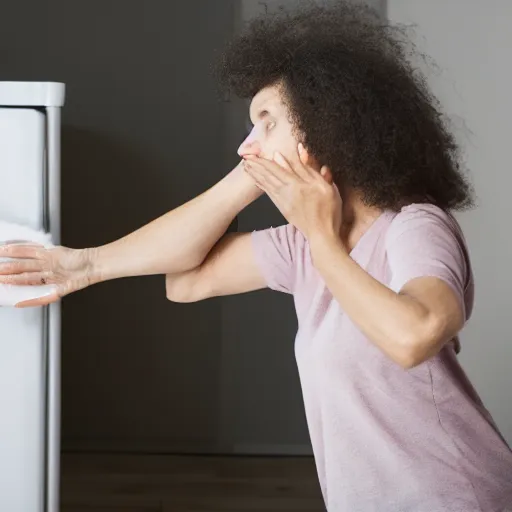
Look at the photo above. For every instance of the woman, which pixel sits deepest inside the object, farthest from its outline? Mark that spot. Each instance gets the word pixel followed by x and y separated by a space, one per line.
pixel 351 147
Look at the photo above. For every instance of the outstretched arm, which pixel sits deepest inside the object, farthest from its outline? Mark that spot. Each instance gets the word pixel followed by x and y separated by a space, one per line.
pixel 176 242
pixel 179 240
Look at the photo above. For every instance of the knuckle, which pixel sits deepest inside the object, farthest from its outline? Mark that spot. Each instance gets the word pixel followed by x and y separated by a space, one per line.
pixel 36 279
pixel 24 278
pixel 6 268
pixel 19 266
pixel 13 267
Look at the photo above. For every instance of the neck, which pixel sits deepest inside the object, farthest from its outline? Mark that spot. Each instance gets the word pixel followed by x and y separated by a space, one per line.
pixel 357 217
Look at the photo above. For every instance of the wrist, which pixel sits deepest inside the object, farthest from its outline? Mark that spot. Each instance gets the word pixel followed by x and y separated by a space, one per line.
pixel 95 265
pixel 323 244
pixel 241 187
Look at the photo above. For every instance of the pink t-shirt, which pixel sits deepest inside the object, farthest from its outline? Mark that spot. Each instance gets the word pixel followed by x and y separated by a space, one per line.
pixel 387 439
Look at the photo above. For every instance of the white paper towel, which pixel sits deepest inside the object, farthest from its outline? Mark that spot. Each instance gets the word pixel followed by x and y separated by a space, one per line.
pixel 11 295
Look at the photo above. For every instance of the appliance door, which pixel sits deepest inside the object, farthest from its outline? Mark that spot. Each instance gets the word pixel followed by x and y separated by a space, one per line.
pixel 22 331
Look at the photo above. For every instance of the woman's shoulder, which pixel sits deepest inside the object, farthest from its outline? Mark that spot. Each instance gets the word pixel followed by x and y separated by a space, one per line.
pixel 425 217
pixel 424 234
pixel 423 210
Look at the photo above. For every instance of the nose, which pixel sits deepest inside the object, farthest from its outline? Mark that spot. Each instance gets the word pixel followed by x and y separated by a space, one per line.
pixel 251 145
pixel 249 149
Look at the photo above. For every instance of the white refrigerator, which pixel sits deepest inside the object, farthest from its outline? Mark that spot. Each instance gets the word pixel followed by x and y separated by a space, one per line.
pixel 30 338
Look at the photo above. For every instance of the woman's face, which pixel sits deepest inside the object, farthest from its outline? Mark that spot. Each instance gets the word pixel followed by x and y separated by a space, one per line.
pixel 271 128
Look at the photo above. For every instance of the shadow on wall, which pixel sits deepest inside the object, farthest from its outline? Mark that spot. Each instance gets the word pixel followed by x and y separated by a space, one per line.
pixel 122 340
pixel 110 187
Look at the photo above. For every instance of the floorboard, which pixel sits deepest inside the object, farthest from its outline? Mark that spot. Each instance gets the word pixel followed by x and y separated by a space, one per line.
pixel 162 483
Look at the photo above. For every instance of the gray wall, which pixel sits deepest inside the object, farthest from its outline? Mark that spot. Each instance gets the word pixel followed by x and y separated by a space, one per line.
pixel 472 76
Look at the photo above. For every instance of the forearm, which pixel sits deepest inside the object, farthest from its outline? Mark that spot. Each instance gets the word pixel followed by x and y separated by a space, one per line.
pixel 392 321
pixel 179 240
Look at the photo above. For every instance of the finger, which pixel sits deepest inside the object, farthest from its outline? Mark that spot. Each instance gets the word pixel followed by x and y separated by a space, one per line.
pixel 267 181
pixel 311 165
pixel 304 156
pixel 20 266
pixel 326 174
pixel 25 251
pixel 18 242
pixel 28 278
pixel 297 170
pixel 41 301
pixel 281 160
pixel 259 180
pixel 270 167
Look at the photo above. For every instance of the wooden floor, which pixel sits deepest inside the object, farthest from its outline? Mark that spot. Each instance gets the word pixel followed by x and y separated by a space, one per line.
pixel 153 483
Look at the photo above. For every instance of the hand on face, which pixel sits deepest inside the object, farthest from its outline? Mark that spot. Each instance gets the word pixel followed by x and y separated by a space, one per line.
pixel 304 194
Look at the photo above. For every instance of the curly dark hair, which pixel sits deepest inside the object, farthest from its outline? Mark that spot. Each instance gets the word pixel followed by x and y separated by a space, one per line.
pixel 355 99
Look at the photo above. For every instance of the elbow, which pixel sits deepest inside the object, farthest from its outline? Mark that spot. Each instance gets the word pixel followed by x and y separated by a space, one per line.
pixel 184 288
pixel 177 291
pixel 420 346
pixel 411 354
pixel 409 359
pixel 181 297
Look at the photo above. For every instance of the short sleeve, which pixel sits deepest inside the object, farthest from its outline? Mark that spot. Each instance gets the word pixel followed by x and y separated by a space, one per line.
pixel 425 241
pixel 275 251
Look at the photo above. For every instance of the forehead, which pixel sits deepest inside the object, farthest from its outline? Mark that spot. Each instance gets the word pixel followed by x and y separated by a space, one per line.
pixel 265 102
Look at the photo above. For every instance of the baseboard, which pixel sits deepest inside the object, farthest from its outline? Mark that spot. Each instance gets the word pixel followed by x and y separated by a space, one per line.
pixel 156 446
pixel 195 447
pixel 273 449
